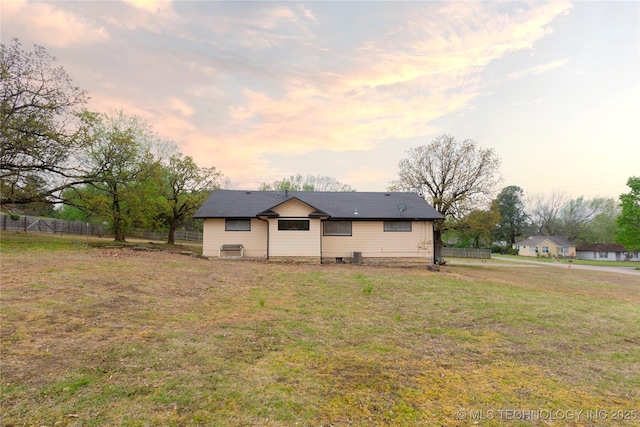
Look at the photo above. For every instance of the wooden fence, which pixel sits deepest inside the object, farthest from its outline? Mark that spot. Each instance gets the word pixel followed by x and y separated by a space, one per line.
pixel 466 253
pixel 27 224
pixel 181 235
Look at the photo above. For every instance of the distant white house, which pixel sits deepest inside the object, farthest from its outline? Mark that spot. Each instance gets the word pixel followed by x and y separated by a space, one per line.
pixel 546 246
pixel 606 252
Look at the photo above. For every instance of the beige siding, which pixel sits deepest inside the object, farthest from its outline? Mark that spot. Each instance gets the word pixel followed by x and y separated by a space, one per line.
pixel 293 209
pixel 370 238
pixel 283 243
pixel 554 250
pixel 254 241
pixel 294 243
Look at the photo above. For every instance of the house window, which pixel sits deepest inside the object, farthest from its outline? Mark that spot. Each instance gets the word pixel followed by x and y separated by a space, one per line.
pixel 604 254
pixel 397 226
pixel 545 249
pixel 237 225
pixel 337 228
pixel 293 224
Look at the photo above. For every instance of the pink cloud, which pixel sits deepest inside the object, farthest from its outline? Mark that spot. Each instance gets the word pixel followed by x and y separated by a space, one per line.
pixel 48 22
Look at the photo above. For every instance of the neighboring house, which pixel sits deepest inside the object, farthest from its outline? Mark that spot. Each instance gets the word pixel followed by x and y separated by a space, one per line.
pixel 547 246
pixel 318 226
pixel 606 252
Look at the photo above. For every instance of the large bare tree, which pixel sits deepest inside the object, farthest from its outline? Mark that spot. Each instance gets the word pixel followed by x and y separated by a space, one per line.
pixel 454 176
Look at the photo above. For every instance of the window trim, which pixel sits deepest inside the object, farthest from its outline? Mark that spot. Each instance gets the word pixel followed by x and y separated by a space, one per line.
pixel 238 221
pixel 337 233
pixel 388 228
pixel 282 222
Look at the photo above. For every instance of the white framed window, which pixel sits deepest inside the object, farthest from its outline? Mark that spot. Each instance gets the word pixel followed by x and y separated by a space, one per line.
pixel 337 228
pixel 545 249
pixel 397 226
pixel 237 225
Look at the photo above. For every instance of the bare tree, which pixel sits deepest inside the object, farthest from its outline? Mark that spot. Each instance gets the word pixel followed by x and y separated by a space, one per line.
pixel 455 176
pixel 578 214
pixel 307 183
pixel 557 215
pixel 545 212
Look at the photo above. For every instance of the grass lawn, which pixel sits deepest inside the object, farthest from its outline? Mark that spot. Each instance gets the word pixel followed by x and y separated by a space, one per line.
pixel 94 336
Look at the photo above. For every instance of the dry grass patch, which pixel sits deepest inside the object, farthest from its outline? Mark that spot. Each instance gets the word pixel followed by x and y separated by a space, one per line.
pixel 95 336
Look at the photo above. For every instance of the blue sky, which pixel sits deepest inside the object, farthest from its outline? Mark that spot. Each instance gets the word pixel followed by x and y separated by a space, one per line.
pixel 263 90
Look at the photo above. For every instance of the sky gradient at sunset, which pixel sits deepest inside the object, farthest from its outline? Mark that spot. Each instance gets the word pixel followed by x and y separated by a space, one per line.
pixel 263 90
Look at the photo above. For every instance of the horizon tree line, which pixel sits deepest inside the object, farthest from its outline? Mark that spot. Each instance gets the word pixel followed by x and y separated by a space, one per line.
pixel 114 168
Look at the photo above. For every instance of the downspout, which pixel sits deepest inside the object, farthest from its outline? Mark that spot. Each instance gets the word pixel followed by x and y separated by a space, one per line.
pixel 433 239
pixel 321 230
pixel 267 221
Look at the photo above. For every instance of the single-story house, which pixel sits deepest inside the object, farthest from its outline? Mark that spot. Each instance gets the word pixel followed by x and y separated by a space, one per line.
pixel 547 246
pixel 606 252
pixel 318 226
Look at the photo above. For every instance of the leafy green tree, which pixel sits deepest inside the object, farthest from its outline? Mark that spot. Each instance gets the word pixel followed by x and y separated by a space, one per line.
pixel 124 190
pixel 513 217
pixel 74 208
pixel 573 219
pixel 40 126
pixel 477 227
pixel 577 216
pixel 184 188
pixel 628 231
pixel 602 227
pixel 455 176
pixel 34 187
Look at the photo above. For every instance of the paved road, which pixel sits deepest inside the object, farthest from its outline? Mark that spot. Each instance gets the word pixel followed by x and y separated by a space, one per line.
pixel 623 270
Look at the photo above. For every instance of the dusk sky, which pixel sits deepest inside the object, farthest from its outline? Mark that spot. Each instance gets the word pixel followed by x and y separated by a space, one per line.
pixel 263 90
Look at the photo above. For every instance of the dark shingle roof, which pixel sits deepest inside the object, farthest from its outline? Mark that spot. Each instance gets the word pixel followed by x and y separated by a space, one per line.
pixel 601 247
pixel 336 205
pixel 536 240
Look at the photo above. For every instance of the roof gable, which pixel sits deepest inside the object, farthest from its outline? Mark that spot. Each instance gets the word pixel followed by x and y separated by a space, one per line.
pixel 295 207
pixel 335 205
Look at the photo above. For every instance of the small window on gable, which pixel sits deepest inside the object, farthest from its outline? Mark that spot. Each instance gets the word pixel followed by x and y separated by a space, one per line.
pixel 237 225
pixel 337 228
pixel 293 224
pixel 397 226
